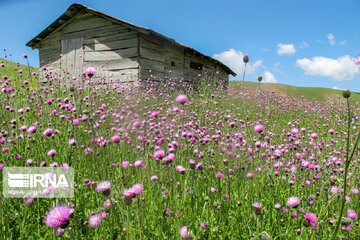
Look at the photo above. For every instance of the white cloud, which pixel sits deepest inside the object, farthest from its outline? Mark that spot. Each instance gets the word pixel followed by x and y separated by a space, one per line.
pixel 286 49
pixel 331 39
pixel 341 69
pixel 303 44
pixel 234 60
pixel 343 42
pixel 336 88
pixel 269 77
pixel 266 50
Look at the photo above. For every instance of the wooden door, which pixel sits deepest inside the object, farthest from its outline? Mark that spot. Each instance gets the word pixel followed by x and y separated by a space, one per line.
pixel 72 59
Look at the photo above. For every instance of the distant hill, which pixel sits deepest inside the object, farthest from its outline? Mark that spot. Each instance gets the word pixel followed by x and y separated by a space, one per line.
pixel 288 90
pixel 11 69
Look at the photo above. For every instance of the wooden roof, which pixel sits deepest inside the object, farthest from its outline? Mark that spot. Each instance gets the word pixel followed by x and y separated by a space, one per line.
pixel 76 8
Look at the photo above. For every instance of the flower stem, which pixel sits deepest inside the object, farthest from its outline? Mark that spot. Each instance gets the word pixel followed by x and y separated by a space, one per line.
pixel 347 164
pixel 244 76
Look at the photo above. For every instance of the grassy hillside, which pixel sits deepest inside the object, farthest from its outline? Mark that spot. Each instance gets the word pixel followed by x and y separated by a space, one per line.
pixel 13 71
pixel 283 89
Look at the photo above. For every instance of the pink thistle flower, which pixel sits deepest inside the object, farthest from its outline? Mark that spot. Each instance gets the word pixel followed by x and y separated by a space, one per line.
pixel 199 166
pixel 204 225
pixel 51 153
pixel 249 175
pixel 314 135
pixel 138 163
pixel 31 129
pixel 125 164
pixel 95 220
pixel 90 71
pixel 107 203
pixel 182 98
pixel 310 220
pixel 257 208
pixel 115 138
pixel 59 231
pixel 48 132
pixel 294 131
pixel 137 188
pixel 277 206
pixel 72 142
pixel 355 191
pixel 59 216
pixel 28 200
pixel 351 214
pixel 259 128
pixel 128 193
pixel 154 178
pixel 293 202
pixel 65 166
pixel 180 169
pixel 159 154
pixel 185 233
pixel 104 187
pixel 219 175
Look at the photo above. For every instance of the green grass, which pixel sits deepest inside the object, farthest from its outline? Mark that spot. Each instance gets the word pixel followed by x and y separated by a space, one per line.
pixel 11 69
pixel 288 90
pixel 222 126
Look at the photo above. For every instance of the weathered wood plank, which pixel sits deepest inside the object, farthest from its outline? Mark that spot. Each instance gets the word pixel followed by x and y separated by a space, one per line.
pixel 86 24
pixel 113 65
pixel 151 54
pixel 114 37
pixel 64 51
pixel 97 32
pixel 146 74
pixel 123 75
pixel 46 58
pixel 51 49
pixel 111 55
pixel 147 64
pixel 146 43
pixel 78 62
pixel 121 44
pixel 70 58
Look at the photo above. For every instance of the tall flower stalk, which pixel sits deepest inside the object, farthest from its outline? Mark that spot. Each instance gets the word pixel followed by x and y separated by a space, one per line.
pixel 346 95
pixel 259 81
pixel 246 60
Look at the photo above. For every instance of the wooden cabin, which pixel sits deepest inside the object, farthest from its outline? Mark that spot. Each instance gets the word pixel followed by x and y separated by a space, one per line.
pixel 120 50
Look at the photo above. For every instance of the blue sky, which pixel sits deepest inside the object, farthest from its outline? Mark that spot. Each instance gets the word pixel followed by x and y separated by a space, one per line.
pixel 301 43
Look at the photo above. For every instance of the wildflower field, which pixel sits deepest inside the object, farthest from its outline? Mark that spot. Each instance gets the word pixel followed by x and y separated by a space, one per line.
pixel 172 163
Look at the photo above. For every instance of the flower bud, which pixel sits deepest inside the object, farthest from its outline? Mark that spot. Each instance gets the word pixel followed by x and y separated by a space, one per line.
pixel 260 78
pixel 346 93
pixel 246 58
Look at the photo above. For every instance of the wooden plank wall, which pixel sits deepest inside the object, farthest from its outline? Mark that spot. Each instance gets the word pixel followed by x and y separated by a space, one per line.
pixel 211 71
pixel 49 55
pixel 110 47
pixel 120 53
pixel 151 58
